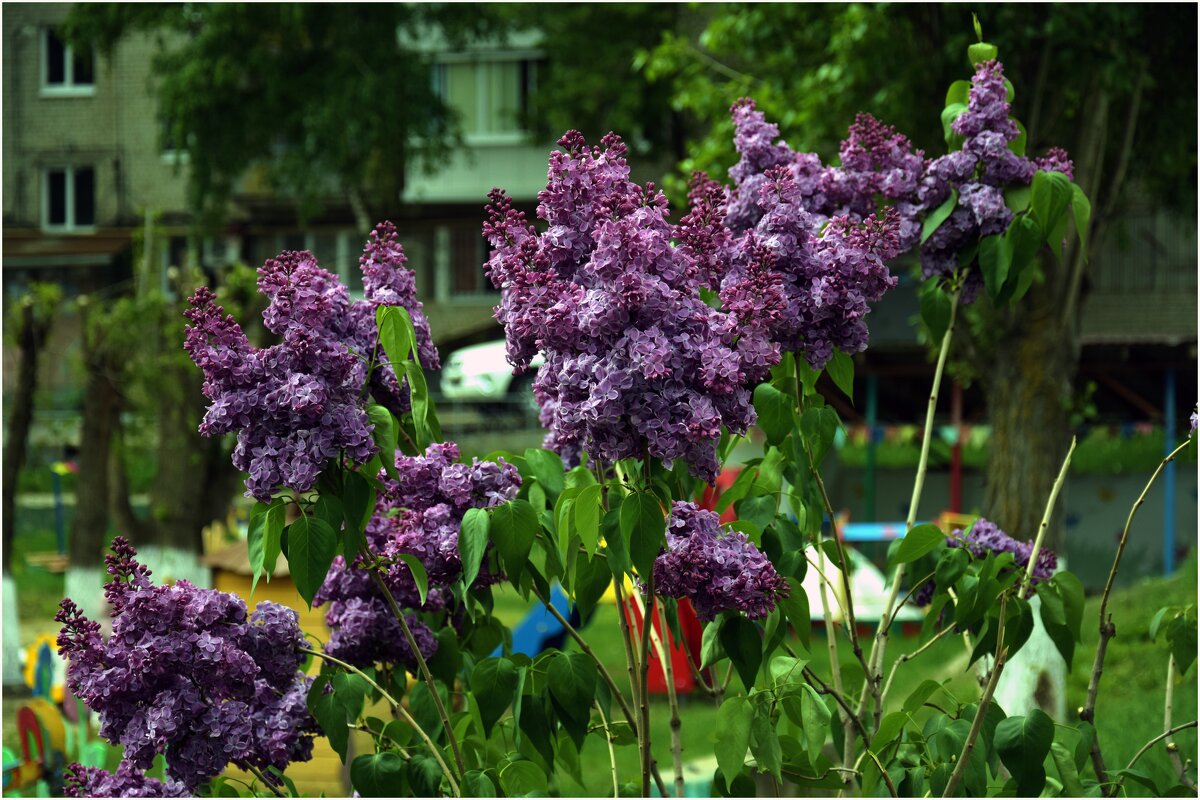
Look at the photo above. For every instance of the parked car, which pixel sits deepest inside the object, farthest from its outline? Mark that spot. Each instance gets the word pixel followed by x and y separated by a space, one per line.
pixel 481 375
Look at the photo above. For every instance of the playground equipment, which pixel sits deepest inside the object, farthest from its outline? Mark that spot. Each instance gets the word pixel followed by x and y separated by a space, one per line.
pixel 52 730
pixel 539 629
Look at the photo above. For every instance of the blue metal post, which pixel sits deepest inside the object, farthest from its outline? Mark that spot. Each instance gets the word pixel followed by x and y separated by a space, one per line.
pixel 1169 474
pixel 60 528
pixel 869 478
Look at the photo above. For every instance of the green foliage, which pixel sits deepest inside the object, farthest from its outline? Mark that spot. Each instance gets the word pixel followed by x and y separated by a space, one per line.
pixel 293 91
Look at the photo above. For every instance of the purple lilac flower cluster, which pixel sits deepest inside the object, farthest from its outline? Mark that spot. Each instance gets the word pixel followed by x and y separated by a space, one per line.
pixel 986 537
pixel 718 571
pixel 979 171
pixel 420 514
pixel 297 404
pixel 876 161
pixel 127 781
pixel 636 362
pixel 805 232
pixel 187 673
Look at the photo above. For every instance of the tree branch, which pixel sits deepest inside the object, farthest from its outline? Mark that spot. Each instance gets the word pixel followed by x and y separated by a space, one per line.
pixel 1107 629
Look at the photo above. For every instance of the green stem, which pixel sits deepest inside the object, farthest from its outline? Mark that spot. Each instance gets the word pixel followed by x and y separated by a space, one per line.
pixel 1107 629
pixel 984 702
pixel 644 685
pixel 875 672
pixel 1049 512
pixel 612 754
pixel 424 670
pixel 399 709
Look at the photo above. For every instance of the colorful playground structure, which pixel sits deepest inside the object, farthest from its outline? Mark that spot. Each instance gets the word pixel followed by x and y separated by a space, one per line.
pixel 52 730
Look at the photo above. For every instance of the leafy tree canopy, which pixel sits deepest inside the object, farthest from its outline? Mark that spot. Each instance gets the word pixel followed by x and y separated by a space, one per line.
pixel 326 99
pixel 812 67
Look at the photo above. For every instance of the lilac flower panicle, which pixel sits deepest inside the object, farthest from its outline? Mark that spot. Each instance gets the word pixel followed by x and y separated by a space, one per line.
pixel 298 404
pixel 987 104
pixel 880 164
pixel 985 537
pixel 1056 160
pixel 635 361
pixel 186 673
pixel 717 570
pixel 418 514
pixel 127 781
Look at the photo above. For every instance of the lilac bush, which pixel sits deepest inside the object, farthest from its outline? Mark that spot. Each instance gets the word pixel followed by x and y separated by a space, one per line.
pixel 188 674
pixel 419 514
pixel 717 570
pixel 300 403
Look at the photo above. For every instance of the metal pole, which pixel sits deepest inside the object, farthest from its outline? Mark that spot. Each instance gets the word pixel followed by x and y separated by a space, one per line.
pixel 872 446
pixel 60 528
pixel 1169 473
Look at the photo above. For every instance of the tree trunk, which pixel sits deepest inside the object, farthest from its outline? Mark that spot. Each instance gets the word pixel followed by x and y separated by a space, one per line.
pixel 184 499
pixel 89 528
pixel 1028 387
pixel 31 337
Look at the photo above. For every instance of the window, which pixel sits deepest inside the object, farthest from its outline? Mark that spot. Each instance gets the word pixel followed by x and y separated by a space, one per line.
pixel 171 147
pixel 492 96
pixel 65 72
pixel 69 198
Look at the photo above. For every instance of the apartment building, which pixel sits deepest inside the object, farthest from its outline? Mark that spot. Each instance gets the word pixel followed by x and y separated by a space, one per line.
pixel 87 162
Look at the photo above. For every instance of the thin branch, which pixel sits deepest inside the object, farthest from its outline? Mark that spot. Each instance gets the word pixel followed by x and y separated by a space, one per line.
pixel 1131 123
pixel 887 687
pixel 1165 734
pixel 984 702
pixel 1107 629
pixel 257 773
pixel 424 669
pixel 644 705
pixel 1168 708
pixel 851 621
pixel 908 596
pixel 605 675
pixel 717 66
pixel 664 656
pixel 1049 512
pixel 612 754
pixel 399 709
pixel 886 778
pixel 823 688
pixel 875 673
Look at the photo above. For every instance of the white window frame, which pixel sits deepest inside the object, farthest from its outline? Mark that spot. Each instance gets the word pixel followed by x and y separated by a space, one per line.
pixel 68 88
pixel 69 226
pixel 479 60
